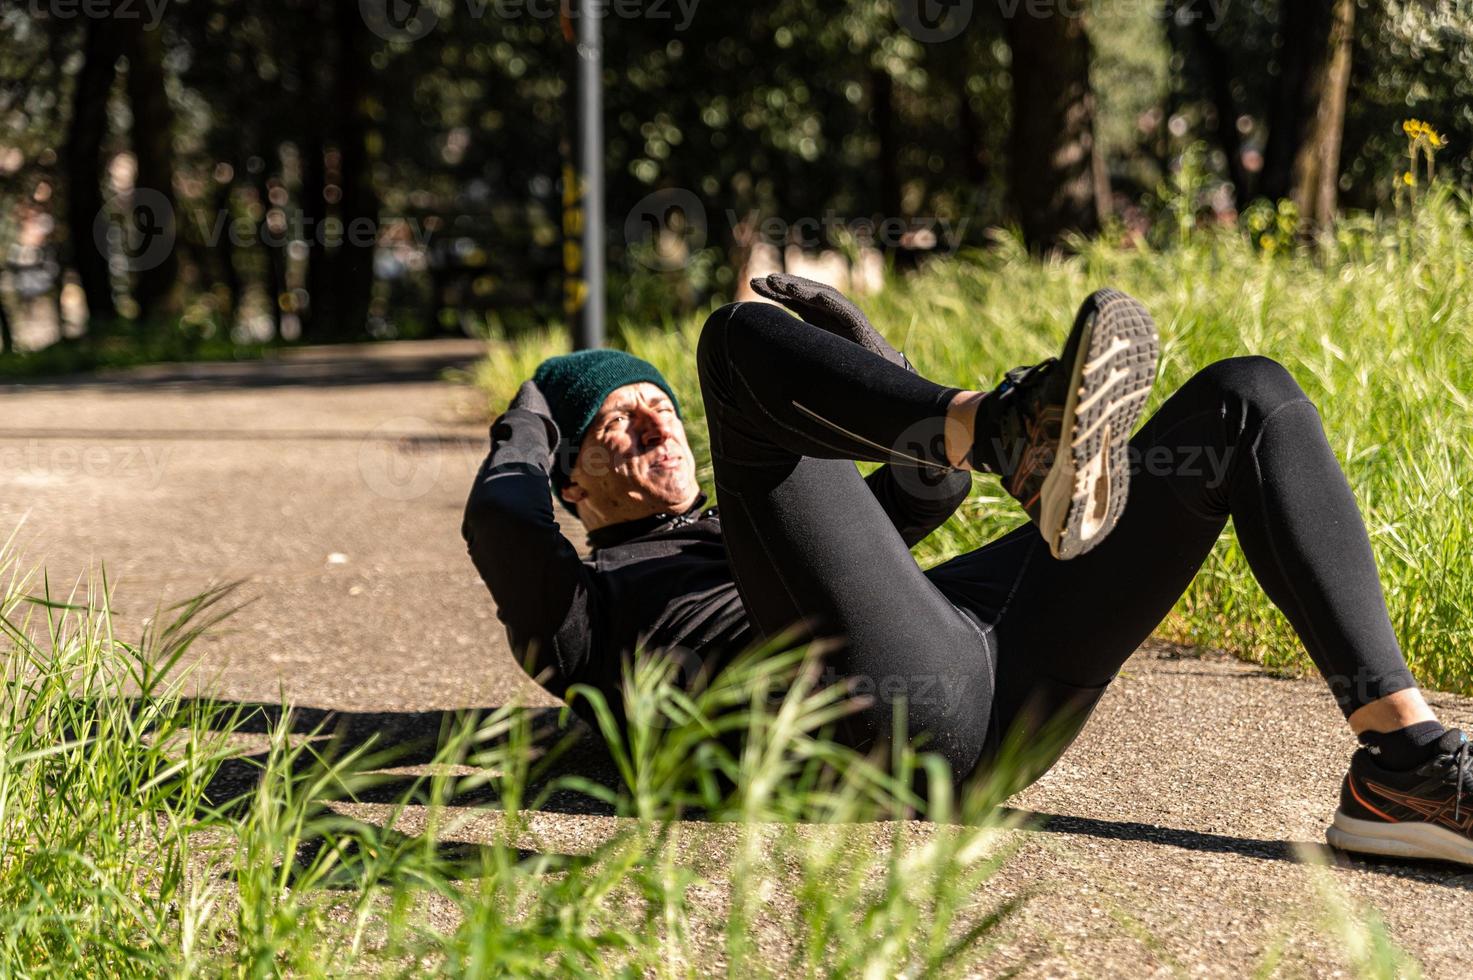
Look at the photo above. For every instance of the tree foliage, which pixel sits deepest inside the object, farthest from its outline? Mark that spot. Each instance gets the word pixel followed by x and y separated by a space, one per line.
pixel 272 126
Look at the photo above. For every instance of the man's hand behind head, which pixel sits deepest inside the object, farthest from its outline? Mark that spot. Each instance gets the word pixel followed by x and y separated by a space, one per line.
pixel 529 398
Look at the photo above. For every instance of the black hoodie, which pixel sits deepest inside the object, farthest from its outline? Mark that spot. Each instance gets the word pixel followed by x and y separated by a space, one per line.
pixel 658 583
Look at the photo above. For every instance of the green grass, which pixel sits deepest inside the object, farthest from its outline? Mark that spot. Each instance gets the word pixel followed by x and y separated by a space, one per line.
pixel 125 345
pixel 130 846
pixel 125 852
pixel 1376 324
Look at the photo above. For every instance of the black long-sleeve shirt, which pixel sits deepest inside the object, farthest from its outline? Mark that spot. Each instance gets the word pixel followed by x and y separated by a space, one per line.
pixel 658 583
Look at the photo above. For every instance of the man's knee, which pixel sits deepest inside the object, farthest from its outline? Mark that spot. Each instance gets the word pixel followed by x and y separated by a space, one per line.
pixel 1261 384
pixel 713 348
pixel 739 337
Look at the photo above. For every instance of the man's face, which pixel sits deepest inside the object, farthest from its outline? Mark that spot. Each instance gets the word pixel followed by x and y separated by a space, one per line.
pixel 633 461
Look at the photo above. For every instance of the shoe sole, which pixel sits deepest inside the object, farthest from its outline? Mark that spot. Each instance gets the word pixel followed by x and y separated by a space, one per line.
pixel 1085 491
pixel 1424 841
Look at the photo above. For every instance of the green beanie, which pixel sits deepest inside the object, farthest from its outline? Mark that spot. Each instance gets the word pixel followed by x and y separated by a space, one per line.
pixel 575 386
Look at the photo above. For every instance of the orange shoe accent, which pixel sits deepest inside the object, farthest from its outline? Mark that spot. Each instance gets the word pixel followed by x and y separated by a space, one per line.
pixel 1362 800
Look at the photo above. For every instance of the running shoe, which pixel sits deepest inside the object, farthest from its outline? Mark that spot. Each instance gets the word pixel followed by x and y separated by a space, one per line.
pixel 1057 433
pixel 1426 812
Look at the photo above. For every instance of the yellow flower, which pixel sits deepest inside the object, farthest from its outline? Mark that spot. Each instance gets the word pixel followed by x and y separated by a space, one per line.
pixel 1422 133
pixel 1409 178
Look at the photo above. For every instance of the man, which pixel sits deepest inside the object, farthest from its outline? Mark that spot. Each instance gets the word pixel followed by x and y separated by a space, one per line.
pixel 1002 640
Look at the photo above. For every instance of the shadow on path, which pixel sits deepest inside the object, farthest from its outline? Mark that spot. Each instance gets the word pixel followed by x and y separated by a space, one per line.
pixel 1452 875
pixel 400 740
pixel 413 738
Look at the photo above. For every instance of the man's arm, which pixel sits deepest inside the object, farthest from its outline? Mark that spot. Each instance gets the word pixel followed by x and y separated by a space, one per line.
pixel 543 591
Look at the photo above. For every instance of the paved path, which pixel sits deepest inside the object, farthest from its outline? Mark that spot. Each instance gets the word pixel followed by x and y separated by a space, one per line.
pixel 331 484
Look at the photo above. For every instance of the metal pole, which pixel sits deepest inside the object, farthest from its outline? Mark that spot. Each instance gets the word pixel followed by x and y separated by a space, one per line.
pixel 583 197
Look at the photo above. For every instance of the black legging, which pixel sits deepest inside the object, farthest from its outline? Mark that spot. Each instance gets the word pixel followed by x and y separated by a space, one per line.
pixel 1005 637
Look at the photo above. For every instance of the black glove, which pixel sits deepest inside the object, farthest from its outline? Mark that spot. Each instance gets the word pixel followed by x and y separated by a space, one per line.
pixel 529 398
pixel 828 309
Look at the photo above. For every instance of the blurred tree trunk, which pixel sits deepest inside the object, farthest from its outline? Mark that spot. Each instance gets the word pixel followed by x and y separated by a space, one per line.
pixel 1057 172
pixel 1317 165
pixel 320 311
pixel 7 337
pixel 882 108
pixel 222 250
pixel 353 268
pixel 85 134
pixel 272 238
pixel 153 146
pixel 976 164
pixel 1217 67
pixel 317 65
pixel 1302 160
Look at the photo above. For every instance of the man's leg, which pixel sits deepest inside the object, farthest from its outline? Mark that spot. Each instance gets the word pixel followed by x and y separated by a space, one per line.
pixel 1056 432
pixel 1239 440
pixel 809 543
pixel 814 394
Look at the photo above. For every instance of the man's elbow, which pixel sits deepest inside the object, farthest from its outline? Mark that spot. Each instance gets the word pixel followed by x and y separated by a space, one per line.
pixel 507 504
pixel 482 517
pixel 491 526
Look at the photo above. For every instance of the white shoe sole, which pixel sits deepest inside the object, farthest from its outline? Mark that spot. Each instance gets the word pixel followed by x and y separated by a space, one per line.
pixel 1411 839
pixel 1085 491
